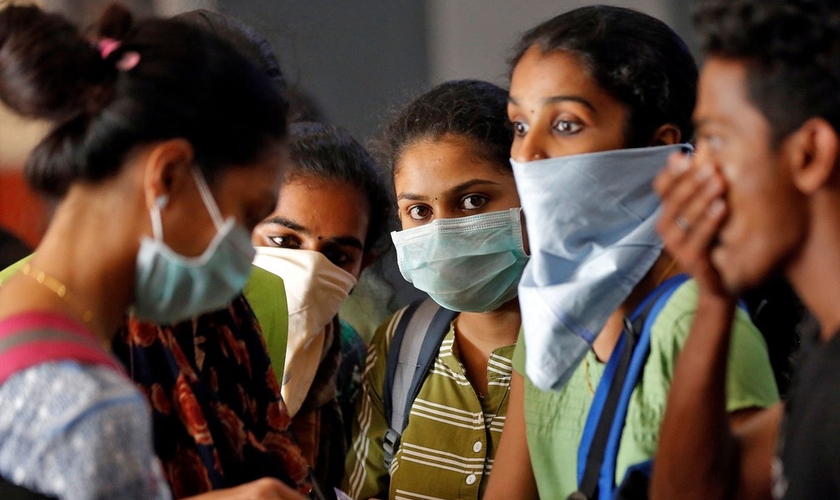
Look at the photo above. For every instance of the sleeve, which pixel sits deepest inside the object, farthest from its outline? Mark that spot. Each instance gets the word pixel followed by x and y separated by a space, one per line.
pixel 118 441
pixel 266 294
pixel 750 380
pixel 518 360
pixel 86 435
pixel 366 475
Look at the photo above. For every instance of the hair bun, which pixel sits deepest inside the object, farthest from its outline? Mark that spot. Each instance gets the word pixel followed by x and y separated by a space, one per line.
pixel 115 22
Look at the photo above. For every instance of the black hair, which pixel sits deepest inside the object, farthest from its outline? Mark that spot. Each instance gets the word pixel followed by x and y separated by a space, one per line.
pixel 635 58
pixel 467 109
pixel 29 42
pixel 331 153
pixel 188 84
pixel 252 45
pixel 792 55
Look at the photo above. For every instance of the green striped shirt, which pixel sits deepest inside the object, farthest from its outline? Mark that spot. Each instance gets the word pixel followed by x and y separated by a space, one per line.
pixel 447 448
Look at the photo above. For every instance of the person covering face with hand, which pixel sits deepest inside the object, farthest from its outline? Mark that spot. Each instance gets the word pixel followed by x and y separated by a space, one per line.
pixel 760 198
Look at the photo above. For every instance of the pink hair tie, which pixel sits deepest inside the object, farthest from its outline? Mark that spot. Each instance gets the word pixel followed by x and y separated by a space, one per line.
pixel 107 46
pixel 128 60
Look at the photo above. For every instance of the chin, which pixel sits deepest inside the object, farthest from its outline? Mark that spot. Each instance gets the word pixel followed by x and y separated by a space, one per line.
pixel 735 276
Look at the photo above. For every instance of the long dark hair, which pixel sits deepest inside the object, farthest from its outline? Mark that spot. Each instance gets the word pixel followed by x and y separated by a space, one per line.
pixel 632 56
pixel 467 109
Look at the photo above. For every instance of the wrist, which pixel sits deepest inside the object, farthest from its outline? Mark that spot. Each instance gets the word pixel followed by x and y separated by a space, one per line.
pixel 714 304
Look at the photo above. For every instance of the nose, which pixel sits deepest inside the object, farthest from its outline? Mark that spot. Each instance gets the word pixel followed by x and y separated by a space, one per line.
pixel 528 148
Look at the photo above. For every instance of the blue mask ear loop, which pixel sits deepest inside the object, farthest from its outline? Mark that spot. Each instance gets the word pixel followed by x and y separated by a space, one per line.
pixel 207 198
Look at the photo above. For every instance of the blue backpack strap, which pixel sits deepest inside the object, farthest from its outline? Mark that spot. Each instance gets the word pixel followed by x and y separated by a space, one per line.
pixel 414 347
pixel 605 422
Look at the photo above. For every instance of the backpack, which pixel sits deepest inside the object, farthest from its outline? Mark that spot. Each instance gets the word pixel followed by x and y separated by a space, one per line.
pixel 414 347
pixel 599 444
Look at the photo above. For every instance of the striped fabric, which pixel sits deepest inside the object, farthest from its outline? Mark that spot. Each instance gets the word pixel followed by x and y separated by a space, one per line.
pixel 452 435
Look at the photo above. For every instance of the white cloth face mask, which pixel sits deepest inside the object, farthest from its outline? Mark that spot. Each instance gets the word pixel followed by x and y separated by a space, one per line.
pixel 315 289
pixel 591 229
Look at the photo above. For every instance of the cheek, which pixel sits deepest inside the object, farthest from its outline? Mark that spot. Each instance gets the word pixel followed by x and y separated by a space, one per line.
pixel 766 225
pixel 258 238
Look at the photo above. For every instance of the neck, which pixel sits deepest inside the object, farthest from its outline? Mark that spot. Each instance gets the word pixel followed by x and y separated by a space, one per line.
pixel 662 269
pixel 90 248
pixel 493 329
pixel 815 271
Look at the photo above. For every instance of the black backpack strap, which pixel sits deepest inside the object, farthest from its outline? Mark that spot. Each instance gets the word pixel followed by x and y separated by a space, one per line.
pixel 616 374
pixel 12 491
pixel 414 347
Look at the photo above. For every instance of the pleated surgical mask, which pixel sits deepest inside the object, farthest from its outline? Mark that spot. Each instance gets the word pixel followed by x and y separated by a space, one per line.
pixel 170 287
pixel 467 263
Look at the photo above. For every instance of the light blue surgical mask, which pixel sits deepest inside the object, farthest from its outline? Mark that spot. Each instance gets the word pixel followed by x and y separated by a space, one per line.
pixel 590 221
pixel 465 264
pixel 170 287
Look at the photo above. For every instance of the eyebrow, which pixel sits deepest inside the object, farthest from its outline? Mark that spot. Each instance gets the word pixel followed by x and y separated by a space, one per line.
pixel 451 191
pixel 348 241
pixel 559 98
pixel 287 223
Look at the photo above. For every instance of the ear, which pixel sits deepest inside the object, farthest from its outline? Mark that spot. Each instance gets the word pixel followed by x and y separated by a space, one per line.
pixel 167 168
pixel 666 135
pixel 811 152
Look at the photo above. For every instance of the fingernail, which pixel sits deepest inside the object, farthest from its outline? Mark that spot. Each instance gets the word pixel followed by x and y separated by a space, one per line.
pixel 716 208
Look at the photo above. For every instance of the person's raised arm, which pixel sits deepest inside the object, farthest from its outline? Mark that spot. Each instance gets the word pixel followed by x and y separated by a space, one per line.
pixel 699 456
pixel 512 476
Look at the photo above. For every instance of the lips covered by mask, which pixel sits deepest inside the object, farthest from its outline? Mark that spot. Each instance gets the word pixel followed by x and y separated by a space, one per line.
pixel 467 263
pixel 591 227
pixel 170 287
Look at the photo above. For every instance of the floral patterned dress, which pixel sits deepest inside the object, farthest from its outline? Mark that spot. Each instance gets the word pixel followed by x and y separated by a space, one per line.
pixel 219 420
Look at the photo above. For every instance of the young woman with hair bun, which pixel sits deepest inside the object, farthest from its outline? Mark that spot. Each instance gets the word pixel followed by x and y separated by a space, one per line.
pixel 165 153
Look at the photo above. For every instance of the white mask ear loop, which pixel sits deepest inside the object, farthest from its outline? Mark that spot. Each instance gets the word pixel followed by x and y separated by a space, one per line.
pixel 157 224
pixel 207 198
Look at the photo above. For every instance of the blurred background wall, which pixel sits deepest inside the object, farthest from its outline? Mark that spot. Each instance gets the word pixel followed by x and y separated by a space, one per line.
pixel 357 59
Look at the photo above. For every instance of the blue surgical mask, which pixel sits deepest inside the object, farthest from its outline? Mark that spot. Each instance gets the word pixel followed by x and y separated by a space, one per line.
pixel 465 264
pixel 170 287
pixel 590 221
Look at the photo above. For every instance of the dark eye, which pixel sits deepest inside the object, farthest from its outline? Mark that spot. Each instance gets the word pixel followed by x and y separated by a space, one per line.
pixel 473 202
pixel 340 259
pixel 419 212
pixel 284 241
pixel 519 128
pixel 567 127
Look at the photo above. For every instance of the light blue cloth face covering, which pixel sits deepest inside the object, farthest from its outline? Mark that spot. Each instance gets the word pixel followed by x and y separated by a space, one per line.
pixel 590 221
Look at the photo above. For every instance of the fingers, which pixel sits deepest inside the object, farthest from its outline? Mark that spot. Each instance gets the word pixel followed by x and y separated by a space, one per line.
pixel 693 210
